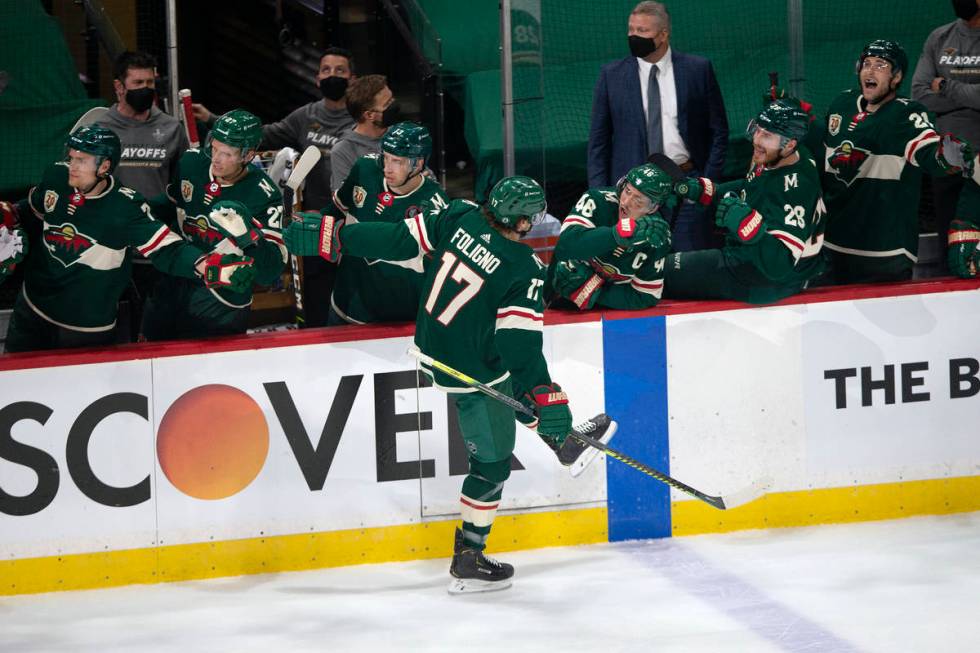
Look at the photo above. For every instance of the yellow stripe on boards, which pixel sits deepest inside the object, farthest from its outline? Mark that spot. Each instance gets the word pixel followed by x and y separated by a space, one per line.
pixel 833 505
pixel 292 552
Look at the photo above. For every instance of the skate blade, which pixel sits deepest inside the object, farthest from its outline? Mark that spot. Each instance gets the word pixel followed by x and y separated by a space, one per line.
pixel 591 453
pixel 473 585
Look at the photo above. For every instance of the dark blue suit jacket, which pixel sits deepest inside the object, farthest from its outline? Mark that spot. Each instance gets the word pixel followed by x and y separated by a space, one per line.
pixel 618 137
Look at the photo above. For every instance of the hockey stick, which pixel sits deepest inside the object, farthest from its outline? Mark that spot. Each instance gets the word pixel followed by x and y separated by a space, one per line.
pixel 750 493
pixel 301 169
pixel 667 164
pixel 190 126
pixel 90 117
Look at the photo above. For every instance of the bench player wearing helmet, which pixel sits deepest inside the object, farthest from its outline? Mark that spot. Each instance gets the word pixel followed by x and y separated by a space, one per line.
pixel 386 187
pixel 874 149
pixel 774 219
pixel 89 225
pixel 611 249
pixel 225 206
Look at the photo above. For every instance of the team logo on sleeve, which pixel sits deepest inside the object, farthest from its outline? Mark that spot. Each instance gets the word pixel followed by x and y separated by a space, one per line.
pixel 834 123
pixel 359 196
pixel 50 200
pixel 846 161
pixel 186 190
pixel 65 243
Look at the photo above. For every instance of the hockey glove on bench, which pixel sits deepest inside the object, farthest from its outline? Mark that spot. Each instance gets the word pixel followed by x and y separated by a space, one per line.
pixel 954 156
pixel 700 190
pixel 964 249
pixel 228 271
pixel 13 249
pixel 231 218
pixel 740 219
pixel 312 234
pixel 650 229
pixel 577 281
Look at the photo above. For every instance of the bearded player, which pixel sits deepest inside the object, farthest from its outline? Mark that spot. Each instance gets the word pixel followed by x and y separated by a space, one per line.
pixel 481 313
pixel 773 219
pixel 874 149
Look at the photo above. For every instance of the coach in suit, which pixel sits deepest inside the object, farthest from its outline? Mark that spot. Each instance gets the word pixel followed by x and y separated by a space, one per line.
pixel 658 100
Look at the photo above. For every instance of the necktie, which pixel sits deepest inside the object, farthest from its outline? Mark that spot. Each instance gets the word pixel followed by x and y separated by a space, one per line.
pixel 655 135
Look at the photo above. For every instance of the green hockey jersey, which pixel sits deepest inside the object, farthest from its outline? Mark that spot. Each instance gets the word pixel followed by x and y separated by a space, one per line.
pixel 871 168
pixel 76 278
pixel 373 290
pixel 633 276
pixel 192 193
pixel 481 310
pixel 789 200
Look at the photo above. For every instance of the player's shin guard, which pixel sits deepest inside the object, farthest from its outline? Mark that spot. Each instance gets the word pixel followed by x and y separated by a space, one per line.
pixel 471 570
pixel 480 498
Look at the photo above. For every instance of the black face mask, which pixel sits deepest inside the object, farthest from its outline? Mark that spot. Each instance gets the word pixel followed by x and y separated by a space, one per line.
pixel 965 9
pixel 641 47
pixel 391 115
pixel 333 88
pixel 140 99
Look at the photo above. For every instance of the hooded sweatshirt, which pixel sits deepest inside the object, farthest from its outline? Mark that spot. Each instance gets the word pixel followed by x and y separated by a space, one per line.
pixel 150 148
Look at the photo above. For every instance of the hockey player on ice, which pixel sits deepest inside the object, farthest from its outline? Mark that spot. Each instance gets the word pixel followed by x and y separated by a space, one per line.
pixel 482 314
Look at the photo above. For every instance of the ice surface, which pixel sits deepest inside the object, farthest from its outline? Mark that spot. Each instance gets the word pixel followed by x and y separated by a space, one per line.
pixel 908 585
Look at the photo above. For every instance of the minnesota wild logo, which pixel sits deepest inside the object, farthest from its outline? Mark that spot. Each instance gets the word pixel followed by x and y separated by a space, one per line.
pixel 607 271
pixel 846 161
pixel 198 227
pixel 65 243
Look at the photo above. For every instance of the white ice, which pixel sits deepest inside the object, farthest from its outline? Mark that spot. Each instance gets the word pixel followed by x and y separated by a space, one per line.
pixel 902 586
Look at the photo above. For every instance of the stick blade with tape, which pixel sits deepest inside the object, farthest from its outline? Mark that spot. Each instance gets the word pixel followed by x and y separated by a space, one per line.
pixel 90 117
pixel 307 160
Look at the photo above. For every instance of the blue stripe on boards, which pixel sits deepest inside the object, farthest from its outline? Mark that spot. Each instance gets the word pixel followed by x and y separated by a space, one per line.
pixel 635 361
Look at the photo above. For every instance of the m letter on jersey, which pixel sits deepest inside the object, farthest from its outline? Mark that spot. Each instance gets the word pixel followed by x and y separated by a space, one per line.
pixel 266 187
pixel 790 181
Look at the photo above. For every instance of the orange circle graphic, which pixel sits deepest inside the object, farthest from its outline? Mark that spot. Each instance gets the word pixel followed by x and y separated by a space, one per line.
pixel 212 442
